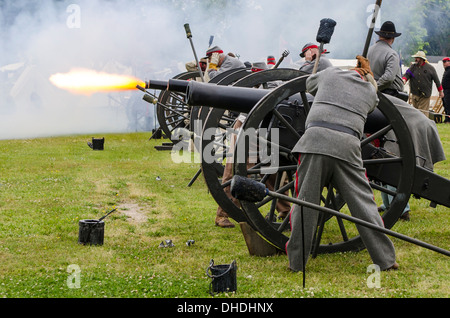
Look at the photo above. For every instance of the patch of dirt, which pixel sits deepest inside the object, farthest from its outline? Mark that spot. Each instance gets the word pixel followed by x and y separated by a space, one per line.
pixel 133 211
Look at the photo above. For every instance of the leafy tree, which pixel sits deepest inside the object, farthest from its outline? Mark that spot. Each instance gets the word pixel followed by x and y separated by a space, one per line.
pixel 436 21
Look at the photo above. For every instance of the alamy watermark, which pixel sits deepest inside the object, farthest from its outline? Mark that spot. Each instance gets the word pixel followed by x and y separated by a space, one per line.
pixel 74 278
pixel 74 18
pixel 373 8
pixel 374 279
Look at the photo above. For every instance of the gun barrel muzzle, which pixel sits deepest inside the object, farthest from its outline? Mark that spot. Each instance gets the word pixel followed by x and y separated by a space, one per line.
pixel 156 84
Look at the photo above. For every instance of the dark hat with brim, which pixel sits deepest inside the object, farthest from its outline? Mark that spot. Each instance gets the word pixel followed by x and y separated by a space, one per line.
pixel 307 47
pixel 388 31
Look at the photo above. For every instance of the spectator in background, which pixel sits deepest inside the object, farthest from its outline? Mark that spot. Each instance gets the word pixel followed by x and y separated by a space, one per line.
pixel 421 76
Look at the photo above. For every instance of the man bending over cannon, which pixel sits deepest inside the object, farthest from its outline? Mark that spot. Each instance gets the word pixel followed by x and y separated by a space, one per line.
pixel 220 62
pixel 330 153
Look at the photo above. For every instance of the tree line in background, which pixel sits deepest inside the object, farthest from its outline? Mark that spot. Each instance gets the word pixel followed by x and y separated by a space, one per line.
pixel 428 26
pixel 427 23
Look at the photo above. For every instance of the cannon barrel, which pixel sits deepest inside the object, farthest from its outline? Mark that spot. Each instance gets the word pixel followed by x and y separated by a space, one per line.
pixel 156 84
pixel 176 85
pixel 243 99
pixel 238 99
pixel 173 85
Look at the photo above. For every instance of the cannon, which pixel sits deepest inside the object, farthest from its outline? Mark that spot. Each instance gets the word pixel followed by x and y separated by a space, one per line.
pixel 286 108
pixel 171 108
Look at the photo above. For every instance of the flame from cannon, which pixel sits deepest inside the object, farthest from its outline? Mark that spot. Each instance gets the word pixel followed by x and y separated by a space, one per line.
pixel 88 82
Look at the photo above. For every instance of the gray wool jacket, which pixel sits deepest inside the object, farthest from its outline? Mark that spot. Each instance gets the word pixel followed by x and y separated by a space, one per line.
pixel 385 65
pixel 425 136
pixel 308 66
pixel 342 98
pixel 228 63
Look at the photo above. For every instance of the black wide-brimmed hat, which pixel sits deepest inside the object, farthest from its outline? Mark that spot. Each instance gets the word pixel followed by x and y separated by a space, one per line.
pixel 388 31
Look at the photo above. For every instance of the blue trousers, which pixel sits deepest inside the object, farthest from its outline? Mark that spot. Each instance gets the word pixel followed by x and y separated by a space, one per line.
pixel 387 199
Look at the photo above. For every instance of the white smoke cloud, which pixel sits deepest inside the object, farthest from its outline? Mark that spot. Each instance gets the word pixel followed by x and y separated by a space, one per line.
pixel 145 39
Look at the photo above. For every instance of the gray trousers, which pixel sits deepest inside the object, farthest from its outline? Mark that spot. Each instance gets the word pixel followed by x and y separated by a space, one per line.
pixel 313 173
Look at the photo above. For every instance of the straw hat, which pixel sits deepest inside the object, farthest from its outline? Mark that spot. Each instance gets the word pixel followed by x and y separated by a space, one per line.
pixel 420 54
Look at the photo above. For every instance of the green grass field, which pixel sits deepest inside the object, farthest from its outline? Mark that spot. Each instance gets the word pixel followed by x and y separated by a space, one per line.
pixel 48 185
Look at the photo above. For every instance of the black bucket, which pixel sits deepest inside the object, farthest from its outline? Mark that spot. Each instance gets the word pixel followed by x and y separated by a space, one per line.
pixel 223 277
pixel 98 143
pixel 91 232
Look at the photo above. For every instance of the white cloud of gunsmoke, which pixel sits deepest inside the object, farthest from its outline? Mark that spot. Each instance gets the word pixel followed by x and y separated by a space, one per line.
pixel 146 39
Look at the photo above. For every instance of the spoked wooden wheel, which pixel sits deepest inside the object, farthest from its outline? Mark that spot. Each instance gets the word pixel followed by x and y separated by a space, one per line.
pixel 199 114
pixel 217 133
pixel 334 234
pixel 172 110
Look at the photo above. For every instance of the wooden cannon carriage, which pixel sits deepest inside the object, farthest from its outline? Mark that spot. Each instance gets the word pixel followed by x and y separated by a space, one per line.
pixel 284 110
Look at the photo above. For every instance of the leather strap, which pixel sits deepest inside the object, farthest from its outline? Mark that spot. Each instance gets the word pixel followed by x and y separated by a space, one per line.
pixel 336 127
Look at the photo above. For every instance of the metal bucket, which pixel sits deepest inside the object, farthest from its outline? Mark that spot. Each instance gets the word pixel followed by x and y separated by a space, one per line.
pixel 91 232
pixel 223 277
pixel 98 143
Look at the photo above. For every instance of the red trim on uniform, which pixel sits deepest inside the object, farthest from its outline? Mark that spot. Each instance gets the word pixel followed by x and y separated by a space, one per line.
pixel 296 193
pixel 440 88
pixel 254 70
pixel 210 53
pixel 359 74
pixel 296 175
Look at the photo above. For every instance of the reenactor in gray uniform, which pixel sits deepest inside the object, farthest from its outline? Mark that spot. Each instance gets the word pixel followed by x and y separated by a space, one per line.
pixel 330 153
pixel 385 62
pixel 220 62
pixel 310 51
